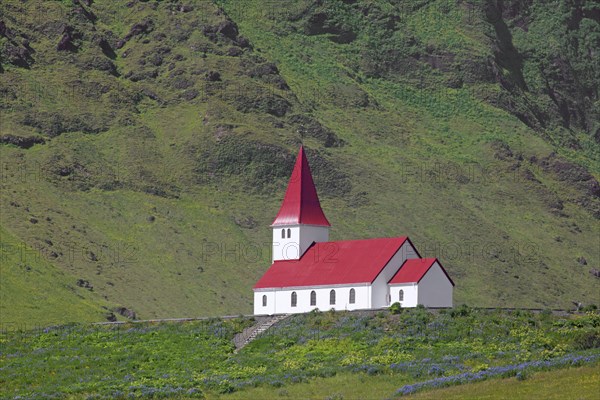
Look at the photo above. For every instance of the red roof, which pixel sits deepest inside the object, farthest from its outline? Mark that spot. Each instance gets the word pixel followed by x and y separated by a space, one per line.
pixel 414 269
pixel 301 204
pixel 333 263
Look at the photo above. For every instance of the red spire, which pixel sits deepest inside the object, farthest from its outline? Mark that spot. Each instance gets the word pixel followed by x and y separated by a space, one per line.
pixel 301 203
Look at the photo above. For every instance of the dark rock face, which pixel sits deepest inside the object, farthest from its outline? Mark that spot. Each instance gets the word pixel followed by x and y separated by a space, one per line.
pixel 66 41
pixel 137 29
pixel 228 29
pixel 126 312
pixel 17 55
pixel 320 23
pixel 213 76
pixel 308 127
pixel 245 222
pixel 21 141
pixel 3 29
pixel 85 284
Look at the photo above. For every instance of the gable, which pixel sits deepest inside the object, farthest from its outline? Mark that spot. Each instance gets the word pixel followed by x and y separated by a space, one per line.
pixel 413 271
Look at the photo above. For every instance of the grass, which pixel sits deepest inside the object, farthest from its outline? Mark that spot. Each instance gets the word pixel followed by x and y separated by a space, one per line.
pixel 304 354
pixel 580 383
pixel 33 292
pixel 571 383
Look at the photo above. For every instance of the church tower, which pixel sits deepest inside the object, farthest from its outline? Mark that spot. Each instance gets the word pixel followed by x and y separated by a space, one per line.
pixel 300 220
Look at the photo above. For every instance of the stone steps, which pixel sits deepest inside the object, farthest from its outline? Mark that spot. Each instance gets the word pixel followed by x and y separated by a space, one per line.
pixel 250 334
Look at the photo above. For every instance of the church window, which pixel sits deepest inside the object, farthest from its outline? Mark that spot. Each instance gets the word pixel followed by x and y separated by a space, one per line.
pixel 264 300
pixel 283 233
pixel 294 299
pixel 332 297
pixel 401 295
pixel 289 233
pixel 313 298
pixel 352 296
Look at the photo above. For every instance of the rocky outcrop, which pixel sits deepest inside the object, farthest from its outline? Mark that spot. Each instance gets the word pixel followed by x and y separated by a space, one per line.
pixel 24 142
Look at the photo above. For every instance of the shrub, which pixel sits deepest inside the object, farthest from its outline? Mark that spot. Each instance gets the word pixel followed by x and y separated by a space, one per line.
pixel 587 340
pixel 396 308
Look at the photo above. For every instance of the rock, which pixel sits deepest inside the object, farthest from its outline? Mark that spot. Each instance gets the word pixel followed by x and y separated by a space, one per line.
pixel 595 272
pixel 245 222
pixel 84 284
pixel 22 142
pixel 33 220
pixel 126 312
pixel 92 256
pixel 190 94
pixel 234 52
pixel 138 29
pixel 3 29
pixel 243 42
pixel 111 317
pixel 228 29
pixel 185 8
pixel 582 260
pixel 151 95
pixel 151 218
pixel 17 56
pixel 106 48
pixel 501 150
pixel 66 41
pixel 309 127
pixel 212 76
pixel 182 83
pixel 263 69
pixel 320 23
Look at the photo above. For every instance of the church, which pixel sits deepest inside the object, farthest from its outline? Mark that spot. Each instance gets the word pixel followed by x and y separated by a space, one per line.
pixel 310 272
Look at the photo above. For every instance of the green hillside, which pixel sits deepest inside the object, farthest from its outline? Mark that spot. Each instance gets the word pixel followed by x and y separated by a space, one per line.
pixel 146 145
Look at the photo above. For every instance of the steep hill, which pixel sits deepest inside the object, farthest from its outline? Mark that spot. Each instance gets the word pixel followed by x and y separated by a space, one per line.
pixel 146 146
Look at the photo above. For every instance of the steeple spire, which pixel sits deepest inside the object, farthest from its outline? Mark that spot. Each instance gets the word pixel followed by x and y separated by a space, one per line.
pixel 301 203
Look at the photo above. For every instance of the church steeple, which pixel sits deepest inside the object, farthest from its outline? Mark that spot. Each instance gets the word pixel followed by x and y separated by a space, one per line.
pixel 300 220
pixel 301 203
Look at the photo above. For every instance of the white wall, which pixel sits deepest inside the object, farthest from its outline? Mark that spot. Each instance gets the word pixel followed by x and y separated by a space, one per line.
pixel 411 297
pixel 435 290
pixel 379 295
pixel 301 238
pixel 279 301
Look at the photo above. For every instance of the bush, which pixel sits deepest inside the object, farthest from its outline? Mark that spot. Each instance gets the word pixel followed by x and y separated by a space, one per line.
pixel 587 340
pixel 396 308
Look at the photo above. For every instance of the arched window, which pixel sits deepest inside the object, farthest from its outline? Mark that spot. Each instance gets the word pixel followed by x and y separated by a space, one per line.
pixel 283 233
pixel 352 296
pixel 264 300
pixel 401 295
pixel 289 233
pixel 332 297
pixel 294 299
pixel 313 298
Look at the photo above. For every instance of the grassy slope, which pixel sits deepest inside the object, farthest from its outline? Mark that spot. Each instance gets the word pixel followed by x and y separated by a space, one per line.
pixel 396 175
pixel 580 383
pixel 165 359
pixel 33 292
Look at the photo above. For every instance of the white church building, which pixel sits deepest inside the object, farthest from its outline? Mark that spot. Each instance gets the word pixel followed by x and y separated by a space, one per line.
pixel 310 272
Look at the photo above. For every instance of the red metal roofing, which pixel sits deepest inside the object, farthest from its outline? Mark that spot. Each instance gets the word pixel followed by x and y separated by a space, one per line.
pixel 301 203
pixel 414 269
pixel 333 263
